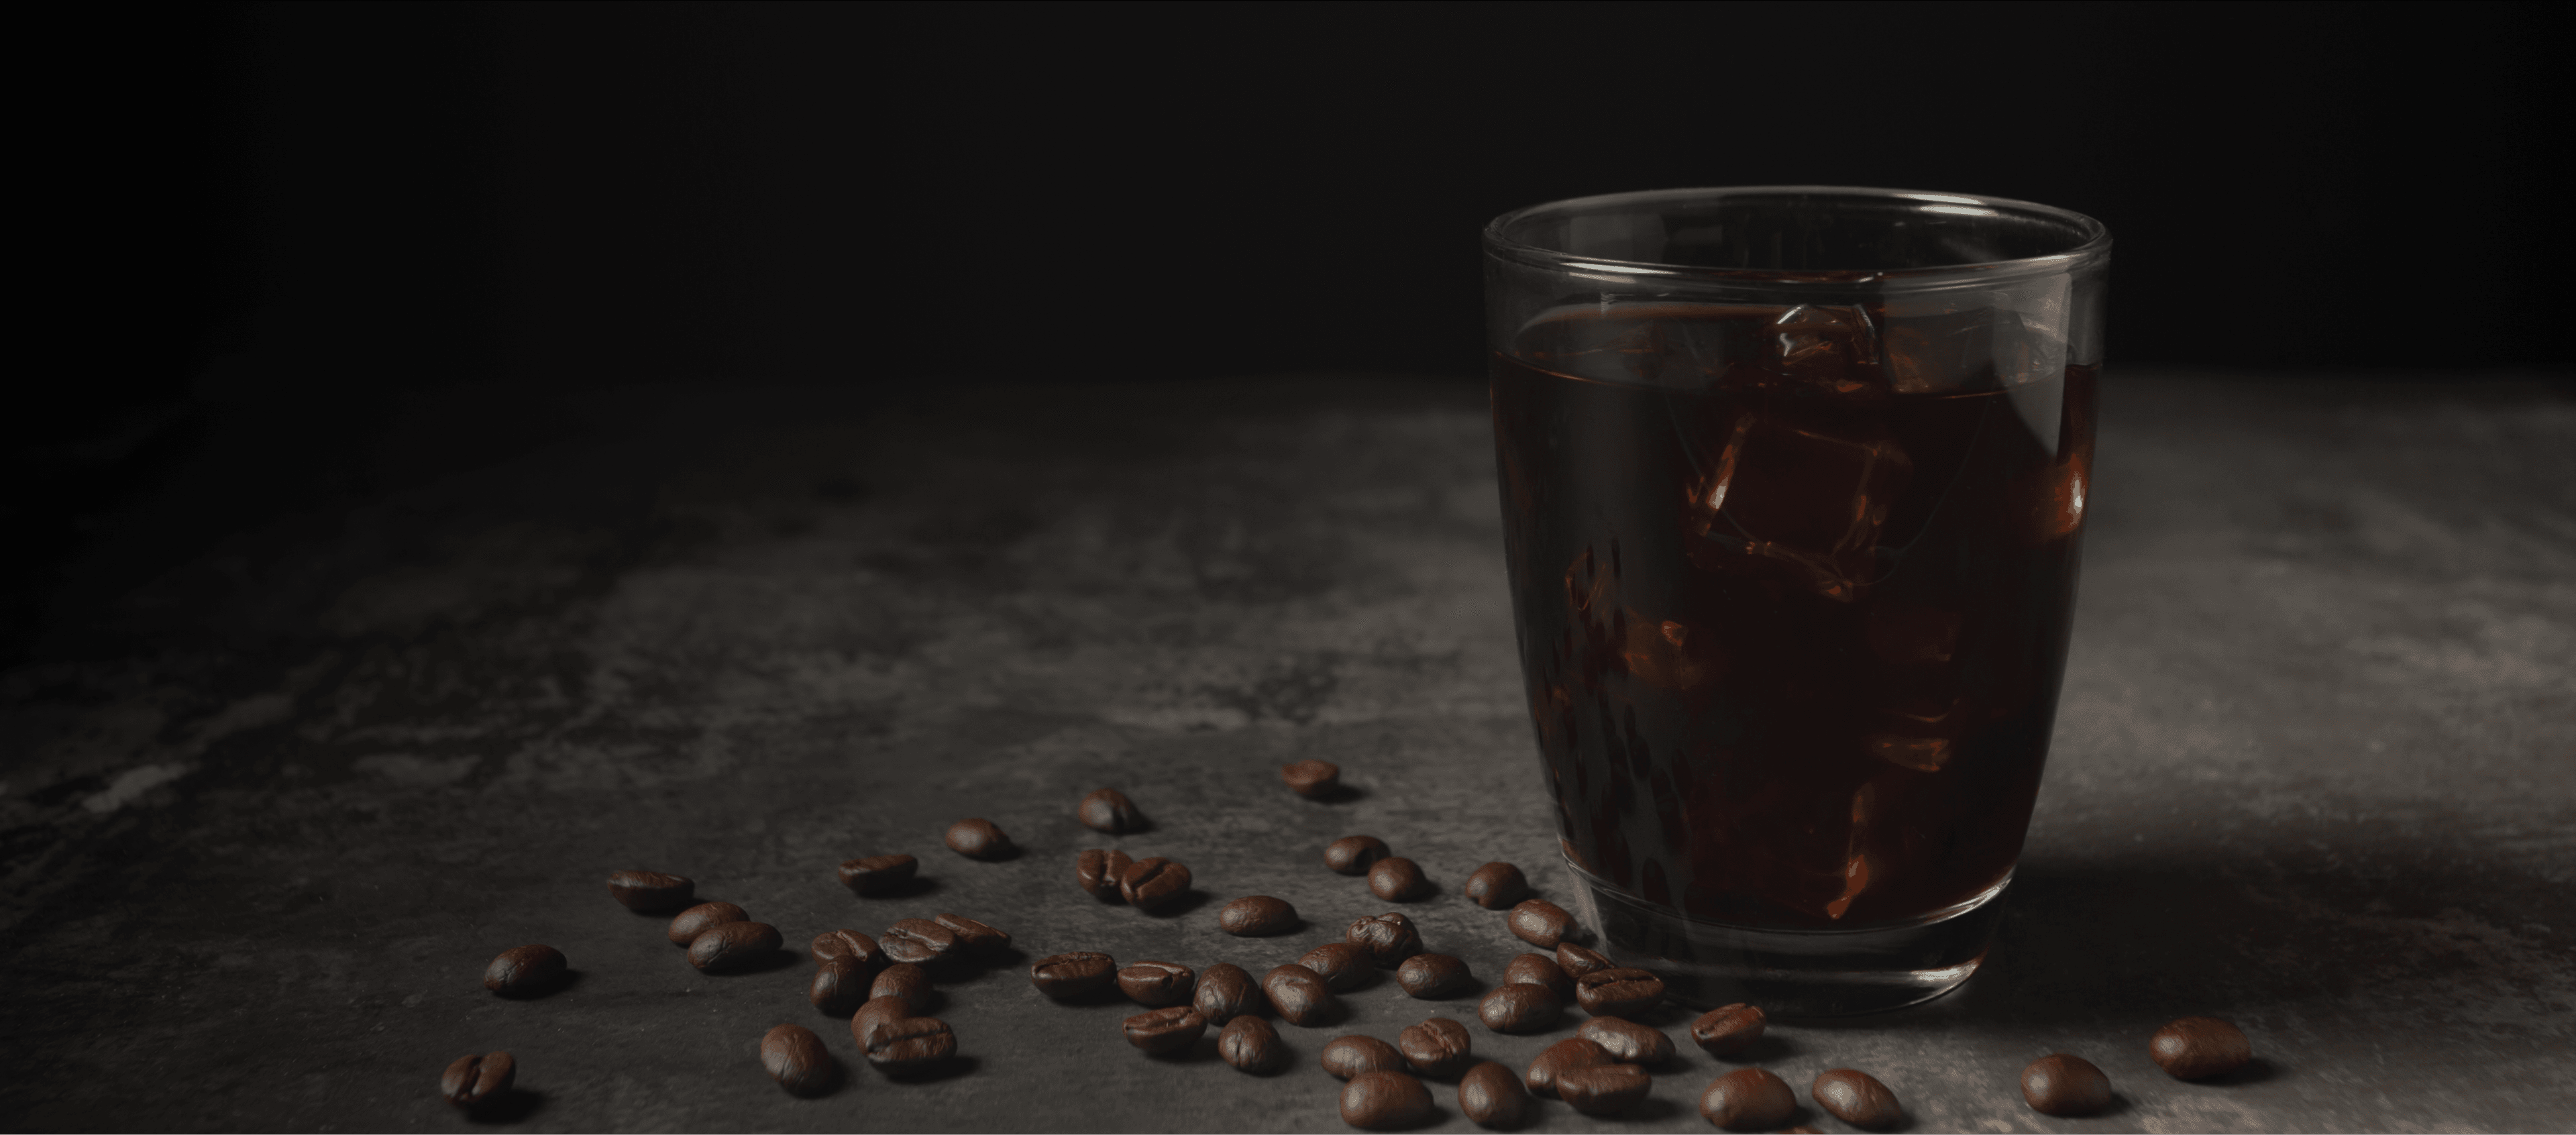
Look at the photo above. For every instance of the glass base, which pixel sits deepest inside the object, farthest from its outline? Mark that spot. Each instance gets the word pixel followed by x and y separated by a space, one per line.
pixel 1792 973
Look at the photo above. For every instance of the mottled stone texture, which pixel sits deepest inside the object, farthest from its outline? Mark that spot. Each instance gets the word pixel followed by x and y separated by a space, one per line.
pixel 265 827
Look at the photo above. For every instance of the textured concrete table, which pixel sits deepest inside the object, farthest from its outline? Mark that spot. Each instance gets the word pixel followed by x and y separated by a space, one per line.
pixel 2313 770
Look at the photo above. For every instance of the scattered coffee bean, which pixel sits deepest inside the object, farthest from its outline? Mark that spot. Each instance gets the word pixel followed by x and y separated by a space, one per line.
pixel 1072 975
pixel 1165 1031
pixel 1300 996
pixel 1438 1047
pixel 796 1059
pixel 1856 1099
pixel 1157 985
pixel 524 971
pixel 1389 938
pixel 2065 1085
pixel 840 985
pixel 1151 884
pixel 1311 779
pixel 878 874
pixel 1397 880
pixel 978 839
pixel 1747 1099
pixel 1539 969
pixel 874 1012
pixel 1519 1007
pixel 1572 1052
pixel 1577 961
pixel 688 924
pixel 1618 992
pixel 474 1079
pixel 918 941
pixel 1496 886
pixel 1254 916
pixel 1343 966
pixel 650 891
pixel 1540 923
pixel 909 1043
pixel 834 943
pixel 1432 976
pixel 1354 854
pixel 1603 1090
pixel 1251 1045
pixel 1802 1129
pixel 1379 1101
pixel 1224 992
pixel 1098 872
pixel 973 935
pixel 1627 1041
pixel 1348 1056
pixel 2196 1048
pixel 1493 1097
pixel 907 981
pixel 1109 810
pixel 1728 1029
pixel 731 946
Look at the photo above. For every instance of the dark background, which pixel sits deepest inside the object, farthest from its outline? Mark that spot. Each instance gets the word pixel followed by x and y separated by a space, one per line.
pixel 280 222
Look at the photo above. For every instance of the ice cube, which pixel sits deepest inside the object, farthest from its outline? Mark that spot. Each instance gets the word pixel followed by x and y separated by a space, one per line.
pixel 1830 348
pixel 1665 653
pixel 1799 497
pixel 1940 351
pixel 1922 754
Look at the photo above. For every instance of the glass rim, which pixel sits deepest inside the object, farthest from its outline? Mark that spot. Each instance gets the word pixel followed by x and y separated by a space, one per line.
pixel 2093 247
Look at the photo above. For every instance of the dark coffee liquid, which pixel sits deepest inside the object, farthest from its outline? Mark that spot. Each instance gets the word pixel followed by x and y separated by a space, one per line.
pixel 1793 598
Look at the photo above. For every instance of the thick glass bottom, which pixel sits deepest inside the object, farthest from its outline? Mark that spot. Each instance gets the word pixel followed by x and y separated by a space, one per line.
pixel 1792 973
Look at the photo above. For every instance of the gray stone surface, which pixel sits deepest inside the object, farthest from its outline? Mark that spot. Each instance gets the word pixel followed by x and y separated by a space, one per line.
pixel 2312 772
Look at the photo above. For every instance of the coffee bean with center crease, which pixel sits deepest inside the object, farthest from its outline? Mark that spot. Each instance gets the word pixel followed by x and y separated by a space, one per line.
pixel 1300 996
pixel 1151 884
pixel 1438 1047
pixel 1097 873
pixel 1627 1041
pixel 1224 992
pixel 1397 880
pixel 910 1044
pixel 2196 1048
pixel 472 1080
pixel 1311 779
pixel 1493 1097
pixel 1856 1098
pixel 796 1058
pixel 837 943
pixel 1604 1090
pixel 1156 985
pixel 1577 961
pixel 649 891
pixel 1388 938
pixel 524 971
pixel 1251 1045
pixel 1354 854
pixel 907 981
pixel 688 924
pixel 1519 1007
pixel 1430 976
pixel 1728 1029
pixel 1255 916
pixel 733 946
pixel 1348 1056
pixel 1109 810
pixel 1556 1059
pixel 1747 1099
pixel 878 874
pixel 1540 923
pixel 1343 966
pixel 918 941
pixel 1074 974
pixel 972 935
pixel 1496 886
pixel 1381 1101
pixel 875 1012
pixel 840 985
pixel 1165 1031
pixel 1618 992
pixel 1539 969
pixel 2065 1085
pixel 978 839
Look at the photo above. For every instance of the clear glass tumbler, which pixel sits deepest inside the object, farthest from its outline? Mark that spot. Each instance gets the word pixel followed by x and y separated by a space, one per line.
pixel 1793 484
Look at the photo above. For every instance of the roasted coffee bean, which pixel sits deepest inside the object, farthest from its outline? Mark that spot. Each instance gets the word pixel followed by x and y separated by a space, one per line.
pixel 878 874
pixel 1348 1056
pixel 474 1079
pixel 973 935
pixel 1097 872
pixel 1343 966
pixel 875 1012
pixel 978 839
pixel 1165 1031
pixel 1496 886
pixel 840 985
pixel 1251 1045
pixel 1388 938
pixel 1802 1129
pixel 1577 961
pixel 918 941
pixel 1540 923
pixel 650 890
pixel 1728 1029
pixel 1618 992
pixel 1856 1099
pixel 835 943
pixel 1156 985
pixel 731 946
pixel 910 1043
pixel 1493 1097
pixel 1540 969
pixel 1572 1052
pixel 1519 1007
pixel 1431 976
pixel 1311 779
pixel 796 1059
pixel 2196 1048
pixel 1109 810
pixel 1354 854
pixel 1224 992
pixel 2065 1085
pixel 907 981
pixel 1255 916
pixel 1151 884
pixel 1438 1047
pixel 1747 1099
pixel 1397 880
pixel 1627 1041
pixel 1603 1090
pixel 1300 996
pixel 1072 975
pixel 688 924
pixel 523 971
pixel 1381 1101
